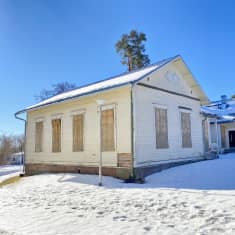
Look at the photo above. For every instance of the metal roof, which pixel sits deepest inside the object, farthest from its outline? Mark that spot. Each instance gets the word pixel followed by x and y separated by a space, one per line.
pixel 112 82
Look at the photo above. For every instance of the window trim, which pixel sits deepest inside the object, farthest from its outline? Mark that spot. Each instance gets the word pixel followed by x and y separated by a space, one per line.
pixel 57 116
pixel 54 117
pixel 77 112
pixel 112 106
pixel 160 106
pixel 74 113
pixel 38 120
pixel 181 129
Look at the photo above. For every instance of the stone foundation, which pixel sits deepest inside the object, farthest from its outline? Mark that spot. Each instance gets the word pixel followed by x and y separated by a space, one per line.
pixel 37 168
pixel 142 172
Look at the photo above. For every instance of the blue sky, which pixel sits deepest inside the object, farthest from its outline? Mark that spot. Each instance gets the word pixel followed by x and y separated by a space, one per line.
pixel 48 41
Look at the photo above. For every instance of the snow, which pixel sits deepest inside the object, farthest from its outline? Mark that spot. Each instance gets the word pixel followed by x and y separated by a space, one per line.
pixel 8 171
pixel 115 81
pixel 226 113
pixel 197 198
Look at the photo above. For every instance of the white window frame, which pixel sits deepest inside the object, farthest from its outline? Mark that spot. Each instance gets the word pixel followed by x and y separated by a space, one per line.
pixel 160 106
pixel 53 117
pixel 186 110
pixel 114 107
pixel 36 120
pixel 72 114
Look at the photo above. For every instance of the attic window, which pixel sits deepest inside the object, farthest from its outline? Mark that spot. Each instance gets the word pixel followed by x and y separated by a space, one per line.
pixel 171 76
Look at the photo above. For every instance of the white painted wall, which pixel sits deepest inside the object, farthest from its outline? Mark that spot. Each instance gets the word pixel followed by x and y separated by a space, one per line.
pixel 118 98
pixel 145 99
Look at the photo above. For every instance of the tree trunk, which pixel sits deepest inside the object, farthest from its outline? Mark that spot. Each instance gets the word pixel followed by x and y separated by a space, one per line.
pixel 129 64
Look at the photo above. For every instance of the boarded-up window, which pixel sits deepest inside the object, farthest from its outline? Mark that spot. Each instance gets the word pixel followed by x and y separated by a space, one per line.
pixel 161 124
pixel 78 126
pixel 107 130
pixel 186 130
pixel 56 135
pixel 38 136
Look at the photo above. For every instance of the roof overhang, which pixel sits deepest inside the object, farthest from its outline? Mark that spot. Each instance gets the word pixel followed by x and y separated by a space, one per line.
pixel 191 80
pixel 176 59
pixel 71 98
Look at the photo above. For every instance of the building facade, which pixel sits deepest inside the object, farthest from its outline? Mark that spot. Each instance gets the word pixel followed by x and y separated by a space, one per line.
pixel 149 119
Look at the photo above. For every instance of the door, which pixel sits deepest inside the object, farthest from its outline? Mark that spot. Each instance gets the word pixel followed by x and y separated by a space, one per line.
pixel 231 139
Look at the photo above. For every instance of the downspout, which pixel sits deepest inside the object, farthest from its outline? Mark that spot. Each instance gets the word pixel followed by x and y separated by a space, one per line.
pixel 25 123
pixel 132 133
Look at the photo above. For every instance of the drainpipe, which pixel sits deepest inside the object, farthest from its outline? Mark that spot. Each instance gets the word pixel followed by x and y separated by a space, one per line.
pixel 25 123
pixel 132 133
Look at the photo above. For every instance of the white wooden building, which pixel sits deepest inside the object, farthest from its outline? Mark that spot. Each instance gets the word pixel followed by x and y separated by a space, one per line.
pixel 150 119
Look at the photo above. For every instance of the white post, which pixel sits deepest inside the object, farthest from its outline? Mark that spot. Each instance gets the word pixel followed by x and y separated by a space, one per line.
pixel 217 135
pixel 209 132
pixel 100 137
pixel 100 103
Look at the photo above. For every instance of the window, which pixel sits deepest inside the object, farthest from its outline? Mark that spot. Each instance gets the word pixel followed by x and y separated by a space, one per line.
pixel 56 135
pixel 78 129
pixel 186 130
pixel 107 130
pixel 38 136
pixel 161 126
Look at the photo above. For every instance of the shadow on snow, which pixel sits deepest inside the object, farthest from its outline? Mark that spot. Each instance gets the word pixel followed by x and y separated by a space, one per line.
pixel 218 174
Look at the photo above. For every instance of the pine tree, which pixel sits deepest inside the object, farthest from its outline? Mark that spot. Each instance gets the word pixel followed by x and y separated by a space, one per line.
pixel 131 49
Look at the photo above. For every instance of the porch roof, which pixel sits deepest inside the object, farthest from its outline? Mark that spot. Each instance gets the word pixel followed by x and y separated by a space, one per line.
pixel 224 111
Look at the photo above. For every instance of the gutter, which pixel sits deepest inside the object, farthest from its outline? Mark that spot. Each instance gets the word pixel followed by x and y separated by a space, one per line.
pixel 25 124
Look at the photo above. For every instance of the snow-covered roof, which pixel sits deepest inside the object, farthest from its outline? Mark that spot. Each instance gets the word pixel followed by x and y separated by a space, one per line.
pixel 19 153
pixel 224 111
pixel 116 81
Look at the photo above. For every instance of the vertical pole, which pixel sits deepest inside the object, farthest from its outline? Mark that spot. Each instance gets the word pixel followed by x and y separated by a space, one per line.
pixel 132 133
pixel 25 139
pixel 209 132
pixel 24 155
pixel 100 147
pixel 217 135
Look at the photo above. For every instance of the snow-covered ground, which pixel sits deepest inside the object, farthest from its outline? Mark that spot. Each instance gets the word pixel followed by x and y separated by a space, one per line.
pixel 192 199
pixel 8 171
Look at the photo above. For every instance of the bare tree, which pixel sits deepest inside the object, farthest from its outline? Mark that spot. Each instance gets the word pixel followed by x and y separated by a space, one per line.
pixel 10 144
pixel 57 88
